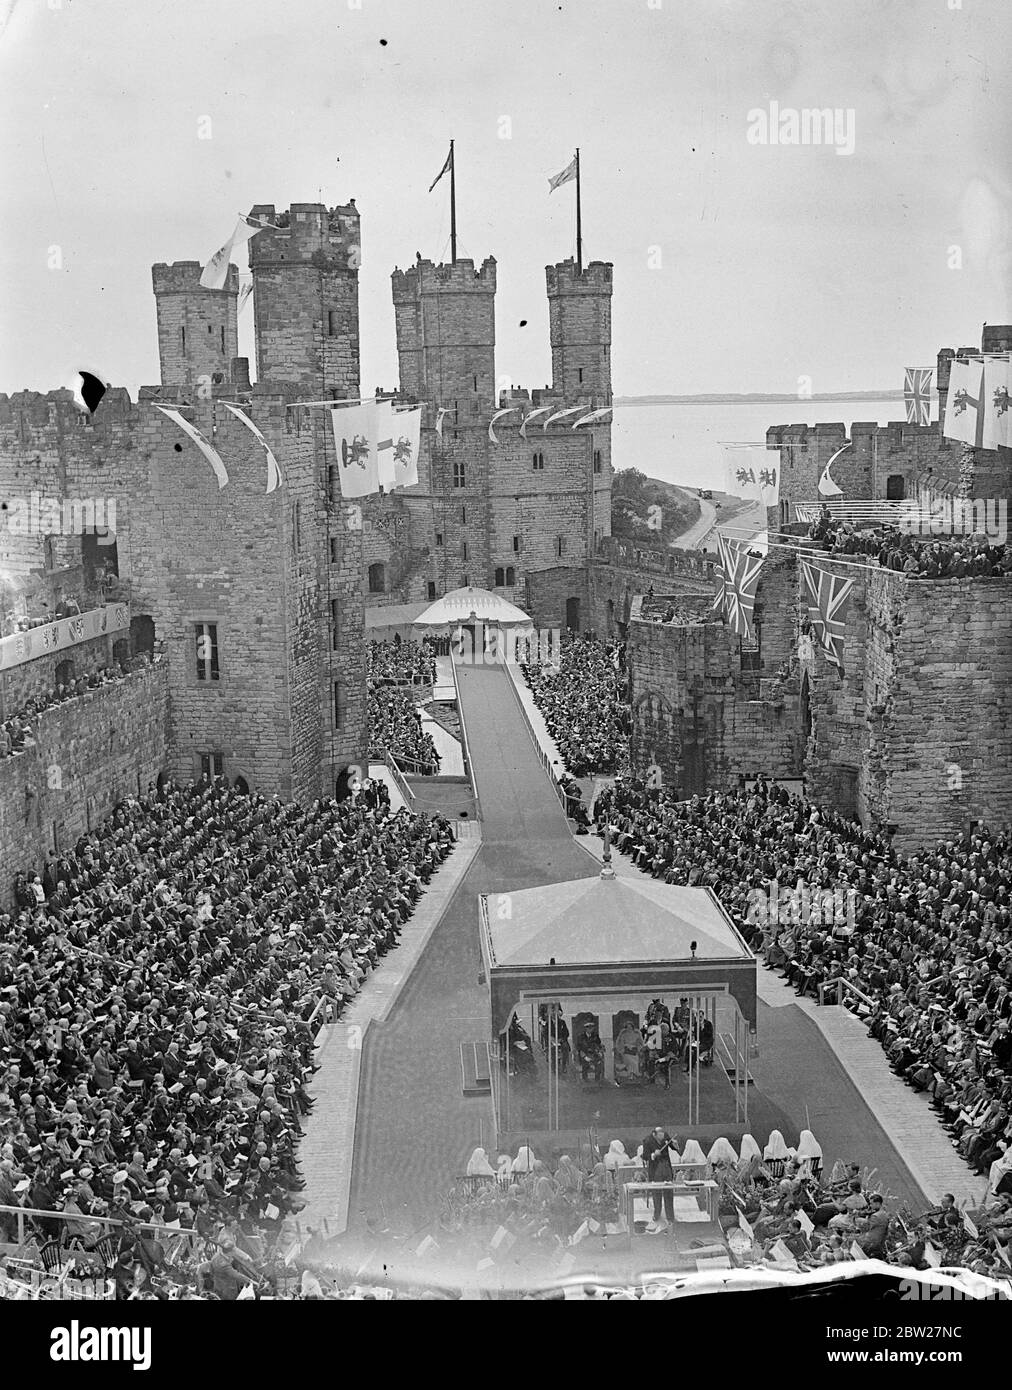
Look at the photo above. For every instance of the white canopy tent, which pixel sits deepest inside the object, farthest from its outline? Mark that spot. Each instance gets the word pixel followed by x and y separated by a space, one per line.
pixel 472 605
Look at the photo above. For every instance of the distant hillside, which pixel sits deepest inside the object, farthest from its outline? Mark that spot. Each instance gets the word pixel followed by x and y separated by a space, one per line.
pixel 633 495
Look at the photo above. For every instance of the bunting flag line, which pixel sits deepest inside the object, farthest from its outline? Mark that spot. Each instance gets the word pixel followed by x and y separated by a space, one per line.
pixel 740 572
pixel 997 415
pixel 215 273
pixel 407 435
pixel 274 479
pixel 917 394
pixel 533 415
pixel 964 406
pixel 510 410
pixel 358 461
pixel 443 410
pixel 447 166
pixel 827 487
pixel 568 174
pixel 752 471
pixel 562 415
pixel 593 417
pixel 210 453
pixel 827 602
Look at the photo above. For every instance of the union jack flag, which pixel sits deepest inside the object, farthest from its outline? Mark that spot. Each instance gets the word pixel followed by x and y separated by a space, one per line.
pixel 739 579
pixel 827 600
pixel 917 394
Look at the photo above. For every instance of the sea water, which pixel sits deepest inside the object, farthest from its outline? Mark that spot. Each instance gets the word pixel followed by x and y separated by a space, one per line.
pixel 679 441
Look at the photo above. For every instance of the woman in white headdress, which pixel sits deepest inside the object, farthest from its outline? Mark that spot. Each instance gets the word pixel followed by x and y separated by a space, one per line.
pixel 809 1154
pixel 478 1165
pixel 693 1153
pixel 776 1147
pixel 524 1161
pixel 722 1154
pixel 749 1150
pixel 616 1155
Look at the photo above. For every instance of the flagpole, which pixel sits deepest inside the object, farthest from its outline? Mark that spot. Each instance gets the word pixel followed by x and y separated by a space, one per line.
pixel 453 206
pixel 579 230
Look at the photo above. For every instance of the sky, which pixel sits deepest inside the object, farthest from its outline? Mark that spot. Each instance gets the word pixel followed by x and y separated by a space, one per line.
pixel 739 265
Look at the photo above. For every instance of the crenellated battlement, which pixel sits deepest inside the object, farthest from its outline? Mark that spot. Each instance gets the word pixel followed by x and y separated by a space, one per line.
pixel 835 432
pixel 310 233
pixel 183 277
pixel 456 277
pixel 563 278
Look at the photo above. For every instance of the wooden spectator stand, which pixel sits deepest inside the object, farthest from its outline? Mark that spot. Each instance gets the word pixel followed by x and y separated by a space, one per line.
pixel 601 949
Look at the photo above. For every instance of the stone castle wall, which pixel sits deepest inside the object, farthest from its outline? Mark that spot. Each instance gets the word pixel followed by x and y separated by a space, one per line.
pixel 90 753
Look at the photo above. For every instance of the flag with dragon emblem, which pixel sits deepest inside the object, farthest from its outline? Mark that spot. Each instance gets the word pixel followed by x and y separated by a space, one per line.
pixel 997 415
pixel 965 404
pixel 355 447
pixel 407 433
pixel 753 471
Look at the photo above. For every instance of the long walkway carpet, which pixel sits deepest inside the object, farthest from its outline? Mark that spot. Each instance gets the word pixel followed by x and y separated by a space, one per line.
pixel 415 1129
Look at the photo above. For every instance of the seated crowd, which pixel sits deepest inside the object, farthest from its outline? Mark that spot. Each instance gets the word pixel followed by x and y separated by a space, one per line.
pixel 583 700
pixel 402 662
pixel 920 557
pixel 158 1012
pixel 926 938
pixel 776 1204
pixel 395 727
pixel 16 730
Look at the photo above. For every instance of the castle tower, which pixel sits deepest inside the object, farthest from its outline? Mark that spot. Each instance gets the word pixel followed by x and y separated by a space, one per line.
pixel 445 317
pixel 197 328
pixel 305 297
pixel 579 319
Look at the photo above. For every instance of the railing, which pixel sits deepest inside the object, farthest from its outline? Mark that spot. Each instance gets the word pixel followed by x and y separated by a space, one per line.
pixel 400 781
pixel 463 738
pixel 841 985
pixel 20 647
pixel 78 1218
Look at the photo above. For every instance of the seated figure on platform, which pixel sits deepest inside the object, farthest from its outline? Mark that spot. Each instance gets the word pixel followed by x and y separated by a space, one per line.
pixel 590 1053
pixel 628 1048
pixel 521 1050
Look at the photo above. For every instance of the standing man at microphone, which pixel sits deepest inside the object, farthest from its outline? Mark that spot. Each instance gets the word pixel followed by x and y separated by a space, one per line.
pixel 657 1149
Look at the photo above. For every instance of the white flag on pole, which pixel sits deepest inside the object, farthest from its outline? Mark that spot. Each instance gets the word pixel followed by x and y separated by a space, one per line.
pixel 215 273
pixel 557 180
